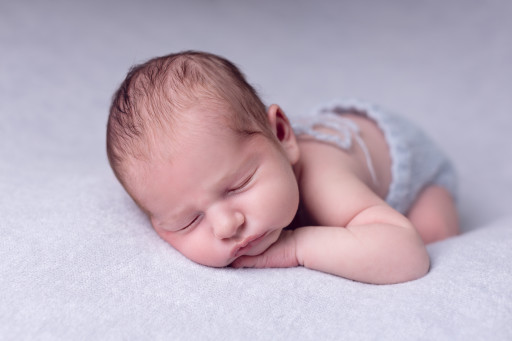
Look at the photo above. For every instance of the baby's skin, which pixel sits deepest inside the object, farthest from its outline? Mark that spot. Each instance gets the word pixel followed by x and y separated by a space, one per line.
pixel 224 198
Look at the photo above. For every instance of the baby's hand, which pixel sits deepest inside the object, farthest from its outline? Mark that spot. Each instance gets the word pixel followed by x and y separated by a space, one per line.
pixel 282 254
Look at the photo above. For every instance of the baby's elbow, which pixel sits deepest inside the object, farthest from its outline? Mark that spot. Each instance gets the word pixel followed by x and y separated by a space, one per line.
pixel 408 260
pixel 419 265
pixel 414 263
pixel 409 268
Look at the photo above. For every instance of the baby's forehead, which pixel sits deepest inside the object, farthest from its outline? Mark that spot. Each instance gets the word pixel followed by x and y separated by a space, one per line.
pixel 188 126
pixel 166 146
pixel 173 128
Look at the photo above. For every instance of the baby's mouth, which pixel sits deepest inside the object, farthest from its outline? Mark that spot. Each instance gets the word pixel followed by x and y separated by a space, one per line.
pixel 247 244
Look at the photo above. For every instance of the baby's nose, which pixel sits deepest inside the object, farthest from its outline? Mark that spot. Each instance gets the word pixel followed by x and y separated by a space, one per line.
pixel 227 223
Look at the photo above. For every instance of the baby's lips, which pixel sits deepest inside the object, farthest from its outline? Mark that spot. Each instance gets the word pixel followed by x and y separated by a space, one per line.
pixel 247 243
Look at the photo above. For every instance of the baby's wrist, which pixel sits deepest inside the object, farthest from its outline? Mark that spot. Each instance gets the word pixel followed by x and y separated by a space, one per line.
pixel 299 237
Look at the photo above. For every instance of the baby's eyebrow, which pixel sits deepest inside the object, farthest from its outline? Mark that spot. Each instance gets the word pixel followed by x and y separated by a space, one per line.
pixel 169 219
pixel 171 225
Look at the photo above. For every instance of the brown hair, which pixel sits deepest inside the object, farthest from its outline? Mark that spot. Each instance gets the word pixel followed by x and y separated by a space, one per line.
pixel 154 93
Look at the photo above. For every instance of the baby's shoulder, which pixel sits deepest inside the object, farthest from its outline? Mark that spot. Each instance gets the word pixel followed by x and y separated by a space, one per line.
pixel 332 192
pixel 320 160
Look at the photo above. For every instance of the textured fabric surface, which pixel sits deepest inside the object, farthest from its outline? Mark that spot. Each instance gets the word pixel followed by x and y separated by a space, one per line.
pixel 78 260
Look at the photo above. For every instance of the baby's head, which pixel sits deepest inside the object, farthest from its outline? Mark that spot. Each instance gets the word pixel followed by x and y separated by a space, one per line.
pixel 157 95
pixel 195 147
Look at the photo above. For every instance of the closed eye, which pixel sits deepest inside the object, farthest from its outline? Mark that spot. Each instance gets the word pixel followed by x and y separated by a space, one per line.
pixel 242 185
pixel 192 222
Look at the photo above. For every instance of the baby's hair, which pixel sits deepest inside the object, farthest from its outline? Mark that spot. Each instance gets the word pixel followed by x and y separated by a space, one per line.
pixel 155 93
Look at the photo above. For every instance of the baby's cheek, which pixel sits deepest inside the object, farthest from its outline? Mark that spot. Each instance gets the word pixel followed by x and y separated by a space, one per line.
pixel 289 201
pixel 194 245
pixel 281 205
pixel 208 250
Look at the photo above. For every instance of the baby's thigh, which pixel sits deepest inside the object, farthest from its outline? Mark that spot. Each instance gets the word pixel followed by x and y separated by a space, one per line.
pixel 434 214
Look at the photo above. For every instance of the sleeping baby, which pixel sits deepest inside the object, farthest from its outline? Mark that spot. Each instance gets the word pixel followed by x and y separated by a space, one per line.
pixel 350 190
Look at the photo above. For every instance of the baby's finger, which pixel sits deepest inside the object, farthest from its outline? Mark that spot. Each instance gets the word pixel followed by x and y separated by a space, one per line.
pixel 248 262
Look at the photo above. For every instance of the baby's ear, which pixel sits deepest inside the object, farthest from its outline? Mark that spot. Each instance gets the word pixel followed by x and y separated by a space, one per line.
pixel 283 131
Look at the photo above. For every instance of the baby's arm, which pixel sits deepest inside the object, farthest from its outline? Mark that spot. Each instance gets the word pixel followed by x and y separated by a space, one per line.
pixel 360 236
pixel 367 250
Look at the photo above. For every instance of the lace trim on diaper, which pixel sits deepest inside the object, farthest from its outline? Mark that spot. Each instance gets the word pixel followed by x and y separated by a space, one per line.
pixel 330 119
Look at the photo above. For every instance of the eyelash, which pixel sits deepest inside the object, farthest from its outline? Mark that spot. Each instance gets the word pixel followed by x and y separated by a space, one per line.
pixel 242 185
pixel 234 190
pixel 192 222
